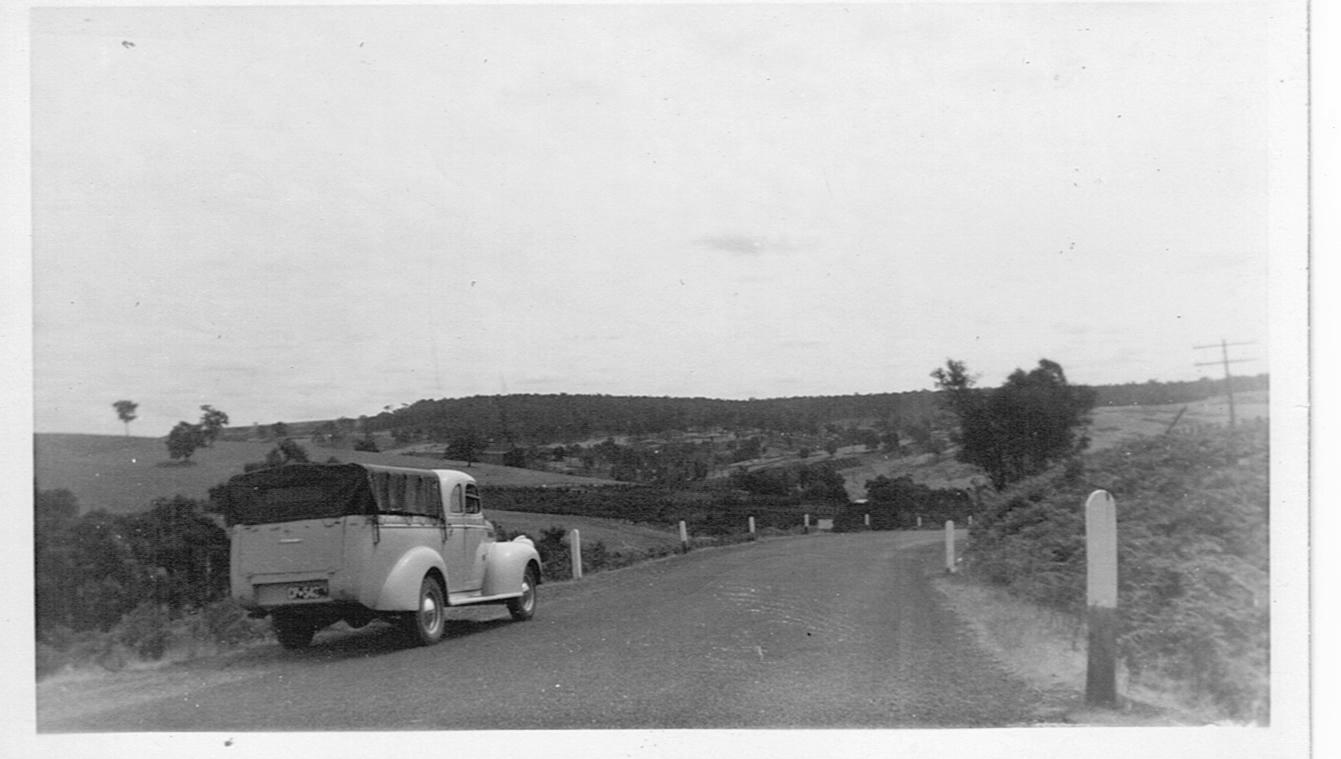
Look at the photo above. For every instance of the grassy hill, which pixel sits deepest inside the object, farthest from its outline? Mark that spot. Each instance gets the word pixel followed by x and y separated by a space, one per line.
pixel 125 474
pixel 1109 426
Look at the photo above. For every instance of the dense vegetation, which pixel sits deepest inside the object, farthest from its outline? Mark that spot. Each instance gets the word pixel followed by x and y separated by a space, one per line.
pixel 109 586
pixel 1192 523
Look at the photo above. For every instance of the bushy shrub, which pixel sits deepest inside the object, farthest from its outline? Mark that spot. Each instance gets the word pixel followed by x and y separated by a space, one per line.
pixel 555 555
pixel 145 631
pixel 226 623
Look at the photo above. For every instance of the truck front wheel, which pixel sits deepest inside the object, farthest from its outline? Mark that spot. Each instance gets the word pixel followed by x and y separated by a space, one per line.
pixel 523 607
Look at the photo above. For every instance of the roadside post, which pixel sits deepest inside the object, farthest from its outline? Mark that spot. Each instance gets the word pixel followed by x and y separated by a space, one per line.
pixel 575 549
pixel 868 521
pixel 919 522
pixel 950 546
pixel 751 526
pixel 684 538
pixel 1101 595
pixel 807 525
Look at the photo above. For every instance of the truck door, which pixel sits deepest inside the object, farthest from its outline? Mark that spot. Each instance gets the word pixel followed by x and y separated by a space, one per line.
pixel 465 531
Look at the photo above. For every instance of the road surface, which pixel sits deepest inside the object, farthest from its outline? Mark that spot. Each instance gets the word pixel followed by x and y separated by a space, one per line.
pixel 818 631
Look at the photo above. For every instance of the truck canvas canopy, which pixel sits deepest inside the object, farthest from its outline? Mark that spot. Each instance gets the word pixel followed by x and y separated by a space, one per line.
pixel 298 491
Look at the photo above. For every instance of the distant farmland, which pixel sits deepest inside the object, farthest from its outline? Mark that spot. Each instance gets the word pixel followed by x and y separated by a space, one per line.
pixel 121 474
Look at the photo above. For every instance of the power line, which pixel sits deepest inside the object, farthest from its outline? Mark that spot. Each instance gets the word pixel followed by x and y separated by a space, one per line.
pixel 1225 361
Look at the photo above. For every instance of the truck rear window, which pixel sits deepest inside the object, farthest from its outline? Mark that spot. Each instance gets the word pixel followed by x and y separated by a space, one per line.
pixel 406 493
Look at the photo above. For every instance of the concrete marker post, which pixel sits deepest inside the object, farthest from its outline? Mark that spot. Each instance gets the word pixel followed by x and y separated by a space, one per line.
pixel 919 523
pixel 868 521
pixel 807 524
pixel 575 548
pixel 751 526
pixel 684 538
pixel 1101 590
pixel 950 546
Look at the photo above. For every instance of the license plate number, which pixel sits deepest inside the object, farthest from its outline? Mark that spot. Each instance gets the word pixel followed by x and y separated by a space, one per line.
pixel 307 592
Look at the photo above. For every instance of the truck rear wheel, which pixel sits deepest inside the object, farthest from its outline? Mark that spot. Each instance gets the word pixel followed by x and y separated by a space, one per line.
pixel 293 630
pixel 425 626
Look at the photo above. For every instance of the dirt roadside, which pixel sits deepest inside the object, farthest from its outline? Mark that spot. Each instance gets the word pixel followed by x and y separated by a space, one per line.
pixel 1047 650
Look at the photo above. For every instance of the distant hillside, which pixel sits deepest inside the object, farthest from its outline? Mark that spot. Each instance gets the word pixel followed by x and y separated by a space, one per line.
pixel 530 419
pixel 125 474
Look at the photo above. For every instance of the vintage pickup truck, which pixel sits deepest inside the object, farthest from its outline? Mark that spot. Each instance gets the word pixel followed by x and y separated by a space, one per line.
pixel 313 544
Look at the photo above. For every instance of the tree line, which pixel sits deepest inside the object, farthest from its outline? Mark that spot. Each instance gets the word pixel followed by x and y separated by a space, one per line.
pixel 522 419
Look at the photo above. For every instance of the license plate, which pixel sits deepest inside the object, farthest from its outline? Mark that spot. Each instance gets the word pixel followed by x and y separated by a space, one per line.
pixel 313 592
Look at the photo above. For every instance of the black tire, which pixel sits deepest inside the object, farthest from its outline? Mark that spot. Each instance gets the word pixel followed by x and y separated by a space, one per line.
pixel 293 630
pixel 522 608
pixel 426 626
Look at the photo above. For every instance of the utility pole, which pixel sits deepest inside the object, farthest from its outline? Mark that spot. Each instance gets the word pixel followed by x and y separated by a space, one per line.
pixel 1225 362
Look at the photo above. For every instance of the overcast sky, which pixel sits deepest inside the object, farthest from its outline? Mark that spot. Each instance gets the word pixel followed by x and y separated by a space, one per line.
pixel 299 213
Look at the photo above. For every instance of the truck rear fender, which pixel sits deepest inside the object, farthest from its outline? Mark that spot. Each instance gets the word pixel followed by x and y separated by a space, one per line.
pixel 506 564
pixel 400 591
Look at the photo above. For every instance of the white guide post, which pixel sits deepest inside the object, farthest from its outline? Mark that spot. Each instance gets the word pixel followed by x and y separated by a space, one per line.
pixel 575 549
pixel 919 523
pixel 684 537
pixel 1101 588
pixel 751 525
pixel 807 526
pixel 950 545
pixel 868 520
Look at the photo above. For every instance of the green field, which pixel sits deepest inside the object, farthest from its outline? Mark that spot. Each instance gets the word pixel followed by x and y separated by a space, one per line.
pixel 1112 424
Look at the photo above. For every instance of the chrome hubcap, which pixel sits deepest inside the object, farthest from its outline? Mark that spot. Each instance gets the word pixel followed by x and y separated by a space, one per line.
pixel 528 594
pixel 429 613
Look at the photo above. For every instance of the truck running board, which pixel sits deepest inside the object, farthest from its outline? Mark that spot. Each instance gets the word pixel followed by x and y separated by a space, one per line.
pixel 466 599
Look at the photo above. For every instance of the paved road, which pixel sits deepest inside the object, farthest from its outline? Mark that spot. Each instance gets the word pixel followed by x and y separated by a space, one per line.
pixel 822 631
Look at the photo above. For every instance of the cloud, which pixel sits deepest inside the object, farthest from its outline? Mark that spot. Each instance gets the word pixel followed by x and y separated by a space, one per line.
pixel 746 245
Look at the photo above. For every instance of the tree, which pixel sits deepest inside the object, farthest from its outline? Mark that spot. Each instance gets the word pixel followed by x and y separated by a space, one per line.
pixel 1016 430
pixel 212 422
pixel 465 447
pixel 286 452
pixel 125 410
pixel 184 439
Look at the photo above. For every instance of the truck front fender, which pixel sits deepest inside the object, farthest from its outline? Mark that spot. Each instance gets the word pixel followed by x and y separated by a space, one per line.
pixel 505 565
pixel 400 590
